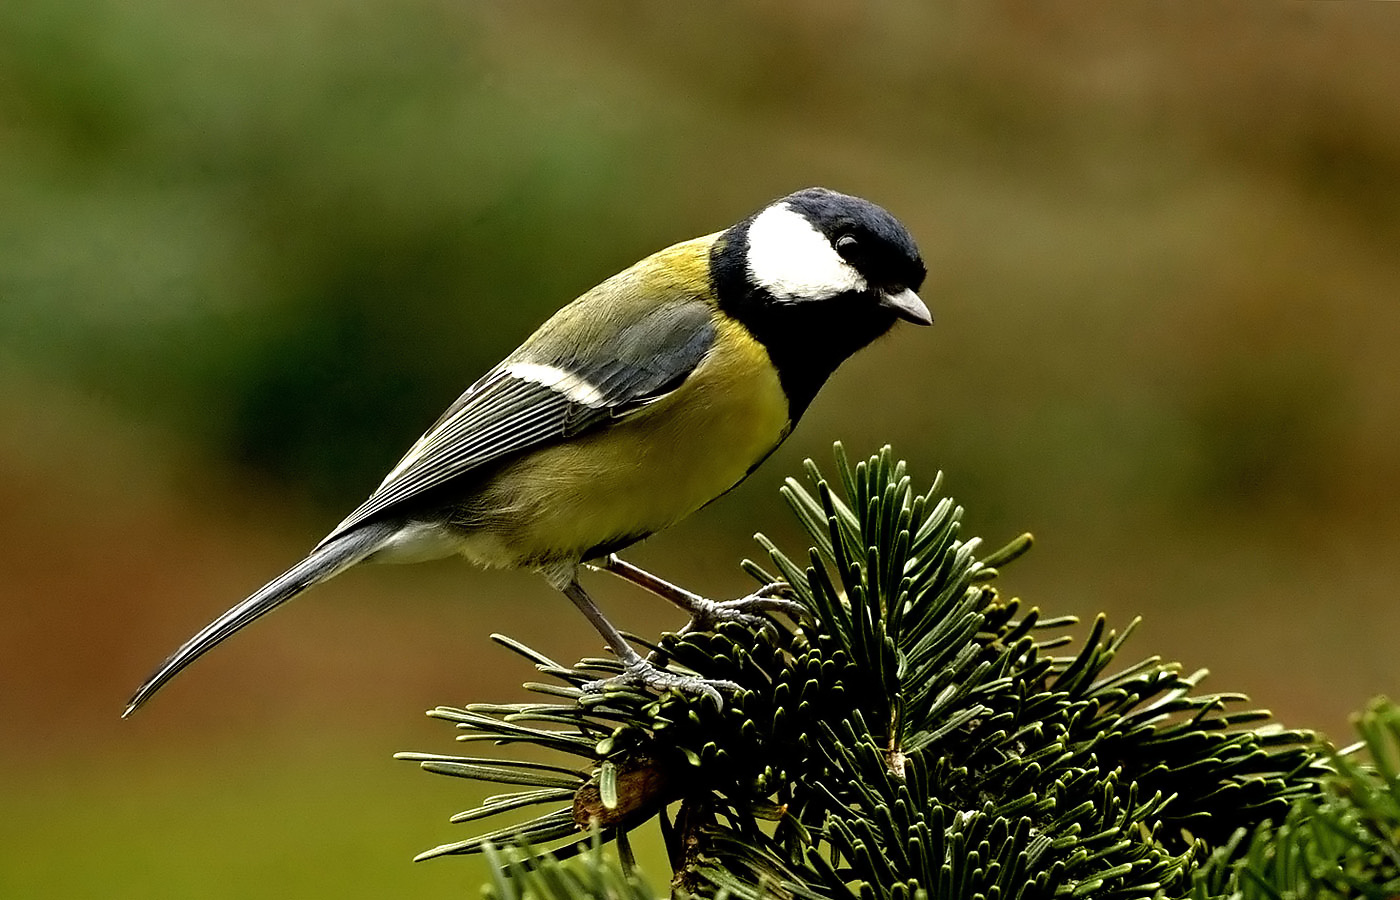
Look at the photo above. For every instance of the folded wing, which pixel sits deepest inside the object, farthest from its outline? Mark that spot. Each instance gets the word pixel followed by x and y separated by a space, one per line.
pixel 537 397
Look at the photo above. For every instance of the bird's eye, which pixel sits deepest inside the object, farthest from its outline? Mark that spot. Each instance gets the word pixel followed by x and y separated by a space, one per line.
pixel 846 245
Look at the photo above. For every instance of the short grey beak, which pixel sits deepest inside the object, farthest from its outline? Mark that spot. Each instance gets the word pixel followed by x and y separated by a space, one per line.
pixel 907 305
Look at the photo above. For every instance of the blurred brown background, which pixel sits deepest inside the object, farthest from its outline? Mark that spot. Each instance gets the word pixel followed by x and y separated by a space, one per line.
pixel 248 251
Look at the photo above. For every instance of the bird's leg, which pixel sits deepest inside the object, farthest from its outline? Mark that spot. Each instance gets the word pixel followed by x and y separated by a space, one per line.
pixel 637 670
pixel 706 614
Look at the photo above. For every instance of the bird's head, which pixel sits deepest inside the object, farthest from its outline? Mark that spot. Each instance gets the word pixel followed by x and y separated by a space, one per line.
pixel 816 276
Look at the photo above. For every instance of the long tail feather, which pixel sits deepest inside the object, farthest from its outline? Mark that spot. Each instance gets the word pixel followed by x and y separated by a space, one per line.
pixel 326 561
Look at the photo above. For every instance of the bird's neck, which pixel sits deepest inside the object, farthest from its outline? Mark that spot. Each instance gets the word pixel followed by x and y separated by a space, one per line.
pixel 806 340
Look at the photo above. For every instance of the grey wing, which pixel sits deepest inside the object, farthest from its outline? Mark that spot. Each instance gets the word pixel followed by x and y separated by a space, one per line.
pixel 537 400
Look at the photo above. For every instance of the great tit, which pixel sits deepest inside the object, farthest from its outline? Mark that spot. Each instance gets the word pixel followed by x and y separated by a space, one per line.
pixel 629 409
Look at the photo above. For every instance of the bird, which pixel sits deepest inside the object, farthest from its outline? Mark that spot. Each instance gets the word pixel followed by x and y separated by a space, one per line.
pixel 630 408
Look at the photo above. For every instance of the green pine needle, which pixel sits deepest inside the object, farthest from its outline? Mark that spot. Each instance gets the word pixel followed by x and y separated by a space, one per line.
pixel 914 735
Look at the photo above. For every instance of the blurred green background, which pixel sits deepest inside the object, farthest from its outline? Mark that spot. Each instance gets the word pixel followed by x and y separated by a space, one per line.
pixel 248 251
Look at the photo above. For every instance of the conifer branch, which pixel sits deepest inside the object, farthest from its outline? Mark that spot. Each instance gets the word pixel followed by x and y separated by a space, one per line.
pixel 916 734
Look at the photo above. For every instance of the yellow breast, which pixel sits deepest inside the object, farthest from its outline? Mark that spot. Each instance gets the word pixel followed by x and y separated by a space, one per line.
pixel 643 473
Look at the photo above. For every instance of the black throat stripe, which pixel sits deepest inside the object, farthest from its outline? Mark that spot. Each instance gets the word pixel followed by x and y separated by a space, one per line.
pixel 807 339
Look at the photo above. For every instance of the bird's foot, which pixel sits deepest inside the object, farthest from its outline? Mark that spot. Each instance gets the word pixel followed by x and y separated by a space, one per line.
pixel 648 676
pixel 706 615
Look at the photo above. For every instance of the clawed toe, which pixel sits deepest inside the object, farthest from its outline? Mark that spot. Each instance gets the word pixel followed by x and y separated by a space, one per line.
pixel 779 589
pixel 707 614
pixel 650 677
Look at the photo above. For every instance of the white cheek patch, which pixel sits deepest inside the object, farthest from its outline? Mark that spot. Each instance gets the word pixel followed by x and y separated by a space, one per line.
pixel 570 385
pixel 794 261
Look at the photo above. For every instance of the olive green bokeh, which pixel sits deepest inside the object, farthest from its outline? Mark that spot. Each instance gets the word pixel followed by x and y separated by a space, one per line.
pixel 247 253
